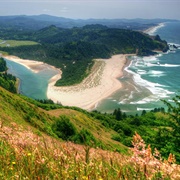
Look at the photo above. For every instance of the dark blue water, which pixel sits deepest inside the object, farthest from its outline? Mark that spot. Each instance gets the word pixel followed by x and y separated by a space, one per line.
pixel 32 84
pixel 149 79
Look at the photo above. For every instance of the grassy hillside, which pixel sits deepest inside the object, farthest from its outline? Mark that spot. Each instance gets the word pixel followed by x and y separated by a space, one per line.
pixel 30 147
pixel 19 110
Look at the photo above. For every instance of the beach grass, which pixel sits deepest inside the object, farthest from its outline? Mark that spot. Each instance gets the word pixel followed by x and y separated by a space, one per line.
pixel 14 43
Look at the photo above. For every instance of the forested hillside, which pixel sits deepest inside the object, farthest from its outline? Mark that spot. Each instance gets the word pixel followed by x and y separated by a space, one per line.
pixel 73 50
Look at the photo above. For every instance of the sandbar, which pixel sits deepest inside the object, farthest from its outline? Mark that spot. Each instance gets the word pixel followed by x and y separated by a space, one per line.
pixel 100 84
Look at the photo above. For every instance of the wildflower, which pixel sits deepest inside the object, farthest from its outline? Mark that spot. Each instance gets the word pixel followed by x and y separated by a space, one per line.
pixel 171 158
pixel 13 163
pixel 85 177
pixel 29 154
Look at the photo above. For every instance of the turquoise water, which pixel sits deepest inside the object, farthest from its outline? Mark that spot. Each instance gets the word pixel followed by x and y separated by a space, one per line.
pixel 147 80
pixel 32 84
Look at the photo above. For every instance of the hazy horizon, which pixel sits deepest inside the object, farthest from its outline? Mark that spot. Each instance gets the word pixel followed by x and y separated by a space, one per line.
pixel 95 9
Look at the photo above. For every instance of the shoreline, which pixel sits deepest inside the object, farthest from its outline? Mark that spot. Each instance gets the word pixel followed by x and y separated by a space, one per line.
pixel 100 84
pixel 35 66
pixel 153 29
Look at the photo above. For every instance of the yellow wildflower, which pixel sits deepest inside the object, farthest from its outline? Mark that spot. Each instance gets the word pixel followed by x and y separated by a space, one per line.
pixel 29 154
pixel 13 162
pixel 85 177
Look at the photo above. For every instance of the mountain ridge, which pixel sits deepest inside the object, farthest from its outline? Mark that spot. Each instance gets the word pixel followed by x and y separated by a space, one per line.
pixel 35 22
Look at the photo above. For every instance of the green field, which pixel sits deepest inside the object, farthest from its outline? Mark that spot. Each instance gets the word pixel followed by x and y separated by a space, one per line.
pixel 14 43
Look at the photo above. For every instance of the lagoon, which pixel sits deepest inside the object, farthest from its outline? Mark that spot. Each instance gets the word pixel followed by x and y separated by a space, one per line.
pixel 33 85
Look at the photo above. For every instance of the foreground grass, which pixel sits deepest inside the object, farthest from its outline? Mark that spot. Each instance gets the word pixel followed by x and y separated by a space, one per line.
pixel 25 155
pixel 14 43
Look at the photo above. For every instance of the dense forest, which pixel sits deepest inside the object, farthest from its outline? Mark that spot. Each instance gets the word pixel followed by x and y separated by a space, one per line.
pixel 73 50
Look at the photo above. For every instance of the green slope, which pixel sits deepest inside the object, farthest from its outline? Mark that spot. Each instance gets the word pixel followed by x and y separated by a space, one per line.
pixel 28 152
pixel 13 108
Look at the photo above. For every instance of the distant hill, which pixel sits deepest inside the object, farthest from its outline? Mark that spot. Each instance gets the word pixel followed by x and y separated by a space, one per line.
pixel 40 21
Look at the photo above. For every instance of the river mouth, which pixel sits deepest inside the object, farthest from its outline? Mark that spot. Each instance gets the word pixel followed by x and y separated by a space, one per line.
pixel 32 84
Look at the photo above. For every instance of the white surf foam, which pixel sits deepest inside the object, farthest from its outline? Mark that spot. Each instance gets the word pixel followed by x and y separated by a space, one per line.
pixel 170 65
pixel 141 72
pixel 158 90
pixel 141 109
pixel 153 73
pixel 154 29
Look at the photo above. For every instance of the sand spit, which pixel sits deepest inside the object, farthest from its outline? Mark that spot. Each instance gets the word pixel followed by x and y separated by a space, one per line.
pixel 100 84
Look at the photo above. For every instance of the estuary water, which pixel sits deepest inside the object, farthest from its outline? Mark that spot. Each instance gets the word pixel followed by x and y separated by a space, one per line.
pixel 147 80
pixel 32 84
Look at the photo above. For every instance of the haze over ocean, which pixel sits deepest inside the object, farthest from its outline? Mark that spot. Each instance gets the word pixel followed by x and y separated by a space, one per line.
pixel 149 79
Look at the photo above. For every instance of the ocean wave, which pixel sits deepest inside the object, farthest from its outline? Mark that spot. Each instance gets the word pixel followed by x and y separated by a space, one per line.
pixel 151 58
pixel 140 71
pixel 154 29
pixel 153 73
pixel 170 65
pixel 141 109
pixel 155 88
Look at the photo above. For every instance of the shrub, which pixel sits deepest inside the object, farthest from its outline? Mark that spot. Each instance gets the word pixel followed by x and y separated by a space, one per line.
pixel 64 129
pixel 85 137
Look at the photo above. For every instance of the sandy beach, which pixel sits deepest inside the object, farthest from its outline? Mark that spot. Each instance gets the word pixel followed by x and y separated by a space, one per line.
pixel 35 66
pixel 153 29
pixel 100 84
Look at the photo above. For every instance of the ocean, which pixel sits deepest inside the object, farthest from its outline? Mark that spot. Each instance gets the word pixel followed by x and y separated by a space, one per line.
pixel 147 80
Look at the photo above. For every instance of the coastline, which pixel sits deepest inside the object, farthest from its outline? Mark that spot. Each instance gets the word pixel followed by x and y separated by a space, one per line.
pixel 153 29
pixel 101 83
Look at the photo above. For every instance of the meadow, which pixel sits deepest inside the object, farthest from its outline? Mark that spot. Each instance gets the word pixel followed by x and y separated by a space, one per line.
pixel 15 43
pixel 25 155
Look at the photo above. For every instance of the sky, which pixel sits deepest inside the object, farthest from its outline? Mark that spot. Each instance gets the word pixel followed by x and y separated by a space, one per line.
pixel 99 9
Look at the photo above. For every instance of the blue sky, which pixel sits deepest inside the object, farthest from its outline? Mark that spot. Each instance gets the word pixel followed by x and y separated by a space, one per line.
pixel 85 9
